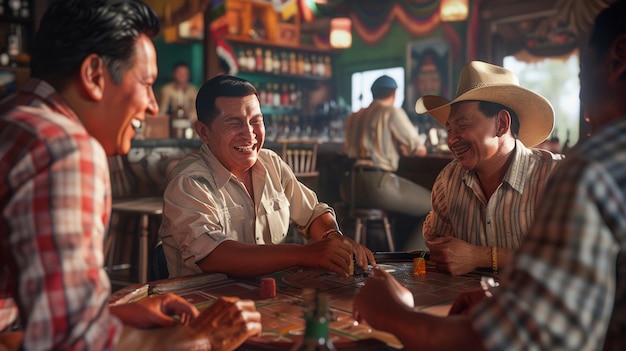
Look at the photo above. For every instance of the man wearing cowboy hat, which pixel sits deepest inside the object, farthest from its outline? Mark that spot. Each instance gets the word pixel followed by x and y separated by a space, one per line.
pixel 484 201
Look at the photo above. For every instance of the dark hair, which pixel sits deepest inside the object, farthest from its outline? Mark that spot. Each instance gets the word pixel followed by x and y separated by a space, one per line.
pixel 382 93
pixel 608 25
pixel 180 64
pixel 71 30
pixel 490 109
pixel 222 85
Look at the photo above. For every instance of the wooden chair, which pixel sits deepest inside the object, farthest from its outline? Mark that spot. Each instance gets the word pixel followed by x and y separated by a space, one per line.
pixel 301 156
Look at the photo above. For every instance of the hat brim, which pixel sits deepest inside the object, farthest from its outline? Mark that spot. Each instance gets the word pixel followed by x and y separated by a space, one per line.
pixel 535 113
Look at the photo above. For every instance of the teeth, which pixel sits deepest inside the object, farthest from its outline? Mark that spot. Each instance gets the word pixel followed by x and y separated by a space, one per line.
pixel 243 148
pixel 136 123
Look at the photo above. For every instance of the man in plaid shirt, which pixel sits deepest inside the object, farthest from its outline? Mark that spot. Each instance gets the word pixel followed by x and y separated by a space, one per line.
pixel 93 66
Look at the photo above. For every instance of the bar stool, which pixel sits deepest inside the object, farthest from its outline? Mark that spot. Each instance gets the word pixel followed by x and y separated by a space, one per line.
pixel 364 215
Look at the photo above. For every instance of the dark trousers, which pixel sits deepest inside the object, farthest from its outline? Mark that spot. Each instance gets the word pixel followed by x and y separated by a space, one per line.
pixel 372 188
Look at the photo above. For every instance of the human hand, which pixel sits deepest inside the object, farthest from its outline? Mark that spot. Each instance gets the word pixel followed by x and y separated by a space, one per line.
pixel 453 255
pixel 381 300
pixel 155 311
pixel 468 299
pixel 331 253
pixel 228 322
pixel 362 255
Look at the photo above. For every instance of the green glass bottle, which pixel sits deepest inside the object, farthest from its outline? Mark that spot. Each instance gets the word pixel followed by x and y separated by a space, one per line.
pixel 317 317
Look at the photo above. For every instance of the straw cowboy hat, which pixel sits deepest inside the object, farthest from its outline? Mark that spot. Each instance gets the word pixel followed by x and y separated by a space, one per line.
pixel 486 82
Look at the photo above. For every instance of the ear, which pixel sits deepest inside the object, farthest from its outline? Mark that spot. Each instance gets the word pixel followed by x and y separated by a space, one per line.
pixel 92 72
pixel 618 54
pixel 202 131
pixel 503 122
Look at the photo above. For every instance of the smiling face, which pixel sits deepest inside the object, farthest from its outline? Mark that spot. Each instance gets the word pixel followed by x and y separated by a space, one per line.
pixel 472 136
pixel 126 103
pixel 236 135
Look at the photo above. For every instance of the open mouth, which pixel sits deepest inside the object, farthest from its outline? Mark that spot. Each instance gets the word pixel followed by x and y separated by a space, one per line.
pixel 245 148
pixel 137 124
pixel 459 150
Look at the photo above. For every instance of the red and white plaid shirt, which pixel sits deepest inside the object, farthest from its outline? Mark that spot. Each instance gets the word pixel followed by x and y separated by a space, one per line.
pixel 55 199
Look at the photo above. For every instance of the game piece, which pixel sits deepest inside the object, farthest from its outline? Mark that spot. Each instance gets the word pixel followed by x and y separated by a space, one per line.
pixel 268 288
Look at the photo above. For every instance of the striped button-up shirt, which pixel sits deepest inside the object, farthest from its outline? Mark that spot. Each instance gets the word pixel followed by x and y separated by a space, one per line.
pixel 55 202
pixel 460 208
pixel 565 288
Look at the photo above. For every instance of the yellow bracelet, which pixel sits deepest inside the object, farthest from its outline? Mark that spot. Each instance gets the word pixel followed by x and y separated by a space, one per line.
pixel 327 233
pixel 494 259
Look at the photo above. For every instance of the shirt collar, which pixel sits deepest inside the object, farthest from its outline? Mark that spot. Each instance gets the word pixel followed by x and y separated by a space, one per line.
pixel 515 176
pixel 50 96
pixel 221 174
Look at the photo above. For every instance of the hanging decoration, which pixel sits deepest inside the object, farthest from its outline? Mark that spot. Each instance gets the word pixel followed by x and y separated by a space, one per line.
pixel 217 30
pixel 372 19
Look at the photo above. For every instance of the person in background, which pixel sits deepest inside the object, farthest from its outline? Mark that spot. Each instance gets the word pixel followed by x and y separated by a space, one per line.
pixel 375 138
pixel 93 65
pixel 179 93
pixel 484 201
pixel 227 208
pixel 565 288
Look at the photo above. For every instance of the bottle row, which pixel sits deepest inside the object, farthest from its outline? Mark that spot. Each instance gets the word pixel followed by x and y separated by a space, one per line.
pixel 260 60
pixel 274 94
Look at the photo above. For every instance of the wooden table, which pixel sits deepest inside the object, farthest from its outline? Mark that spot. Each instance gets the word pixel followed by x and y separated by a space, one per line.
pixel 143 207
pixel 281 316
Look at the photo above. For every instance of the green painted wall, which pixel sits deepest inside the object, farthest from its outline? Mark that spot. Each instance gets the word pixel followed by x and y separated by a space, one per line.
pixel 170 53
pixel 391 51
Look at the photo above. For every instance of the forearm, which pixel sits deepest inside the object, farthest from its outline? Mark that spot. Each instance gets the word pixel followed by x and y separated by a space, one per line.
pixel 246 260
pixel 162 339
pixel 11 340
pixel 421 331
pixel 321 225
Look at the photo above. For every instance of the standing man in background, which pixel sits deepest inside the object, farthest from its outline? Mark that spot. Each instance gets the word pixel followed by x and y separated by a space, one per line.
pixel 177 99
pixel 375 139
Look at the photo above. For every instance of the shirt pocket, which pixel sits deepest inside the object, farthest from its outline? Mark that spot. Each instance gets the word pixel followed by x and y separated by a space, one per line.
pixel 277 216
pixel 231 214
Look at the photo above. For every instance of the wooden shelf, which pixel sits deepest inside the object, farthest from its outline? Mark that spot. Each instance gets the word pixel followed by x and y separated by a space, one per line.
pixel 240 39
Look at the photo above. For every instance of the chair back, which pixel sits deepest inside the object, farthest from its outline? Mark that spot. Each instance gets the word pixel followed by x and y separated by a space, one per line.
pixel 300 155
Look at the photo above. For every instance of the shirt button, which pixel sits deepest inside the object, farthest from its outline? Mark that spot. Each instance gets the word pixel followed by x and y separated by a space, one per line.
pixel 257 238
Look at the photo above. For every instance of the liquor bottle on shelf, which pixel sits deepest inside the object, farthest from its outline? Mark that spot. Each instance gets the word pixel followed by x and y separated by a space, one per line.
pixel 259 62
pixel 293 63
pixel 284 63
pixel 180 122
pixel 317 317
pixel 268 62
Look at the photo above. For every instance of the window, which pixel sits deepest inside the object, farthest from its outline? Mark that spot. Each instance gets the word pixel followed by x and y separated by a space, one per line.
pixel 557 80
pixel 362 83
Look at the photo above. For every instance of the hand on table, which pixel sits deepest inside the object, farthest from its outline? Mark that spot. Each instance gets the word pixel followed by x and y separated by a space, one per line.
pixel 223 326
pixel 155 311
pixel 382 300
pixel 453 255
pixel 228 322
pixel 335 253
pixel 466 301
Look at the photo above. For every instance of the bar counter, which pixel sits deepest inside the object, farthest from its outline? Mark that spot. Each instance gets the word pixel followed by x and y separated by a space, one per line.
pixel 149 160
